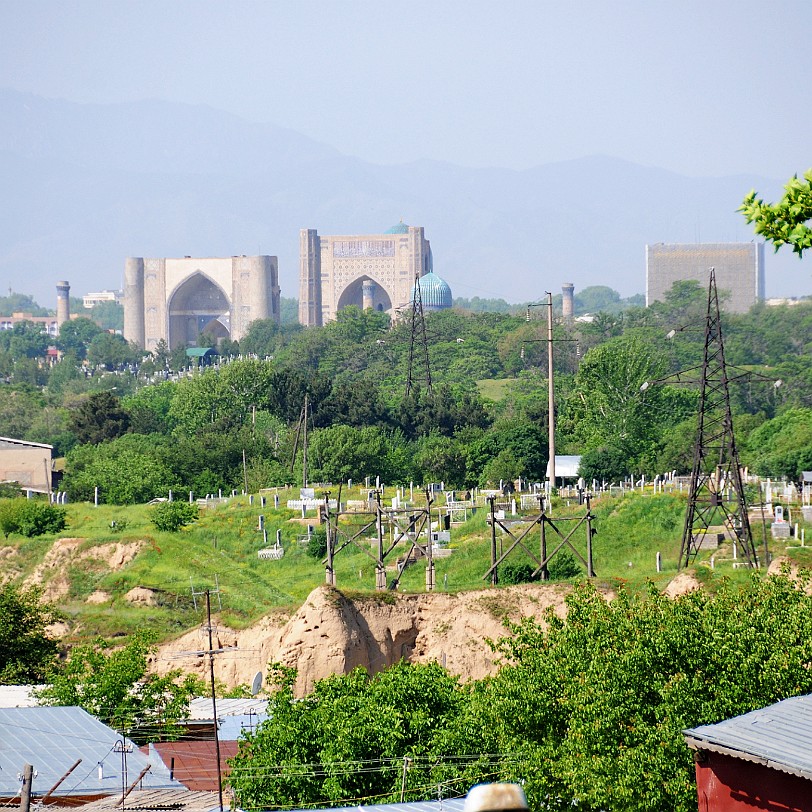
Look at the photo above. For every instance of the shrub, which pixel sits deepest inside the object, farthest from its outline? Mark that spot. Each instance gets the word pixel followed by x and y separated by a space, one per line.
pixel 171 516
pixel 563 566
pixel 317 544
pixel 30 517
pixel 511 573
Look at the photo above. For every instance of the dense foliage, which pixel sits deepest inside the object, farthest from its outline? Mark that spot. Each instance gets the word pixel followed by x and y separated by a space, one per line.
pixel 587 710
pixel 27 651
pixel 171 516
pixel 114 685
pixel 30 517
pixel 134 430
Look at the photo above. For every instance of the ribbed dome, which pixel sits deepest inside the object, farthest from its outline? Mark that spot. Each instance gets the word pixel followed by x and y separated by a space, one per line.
pixel 400 228
pixel 434 292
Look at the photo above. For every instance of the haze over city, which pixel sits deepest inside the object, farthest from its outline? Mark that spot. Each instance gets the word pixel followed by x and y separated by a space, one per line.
pixel 535 142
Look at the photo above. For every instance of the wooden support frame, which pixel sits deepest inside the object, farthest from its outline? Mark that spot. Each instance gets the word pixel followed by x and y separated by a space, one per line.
pixel 542 520
pixel 418 522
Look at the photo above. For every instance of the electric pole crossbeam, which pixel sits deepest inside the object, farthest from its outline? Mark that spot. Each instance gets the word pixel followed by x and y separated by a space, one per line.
pixel 418 521
pixel 543 558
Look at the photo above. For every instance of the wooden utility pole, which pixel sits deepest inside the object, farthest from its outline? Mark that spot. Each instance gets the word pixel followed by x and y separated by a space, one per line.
pixel 25 789
pixel 214 699
pixel 550 392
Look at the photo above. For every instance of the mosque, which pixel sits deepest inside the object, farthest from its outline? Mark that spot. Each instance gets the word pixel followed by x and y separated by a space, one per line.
pixel 375 271
pixel 176 300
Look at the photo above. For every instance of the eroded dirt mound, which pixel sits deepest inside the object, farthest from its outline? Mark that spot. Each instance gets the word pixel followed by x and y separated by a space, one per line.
pixel 682 584
pixel 52 572
pixel 332 634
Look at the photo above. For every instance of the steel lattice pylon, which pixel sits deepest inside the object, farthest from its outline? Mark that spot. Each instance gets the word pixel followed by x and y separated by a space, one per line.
pixel 418 335
pixel 717 494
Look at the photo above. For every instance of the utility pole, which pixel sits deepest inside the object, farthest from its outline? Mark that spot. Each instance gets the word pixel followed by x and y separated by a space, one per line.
pixel 25 789
pixel 550 392
pixel 209 628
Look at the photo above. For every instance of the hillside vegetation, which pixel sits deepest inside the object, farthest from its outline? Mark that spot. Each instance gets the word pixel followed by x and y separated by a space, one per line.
pixel 107 551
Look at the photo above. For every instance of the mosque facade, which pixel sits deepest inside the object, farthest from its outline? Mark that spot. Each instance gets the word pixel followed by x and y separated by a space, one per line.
pixel 176 300
pixel 375 271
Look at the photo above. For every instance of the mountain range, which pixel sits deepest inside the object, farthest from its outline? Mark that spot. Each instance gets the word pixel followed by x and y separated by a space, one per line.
pixel 88 185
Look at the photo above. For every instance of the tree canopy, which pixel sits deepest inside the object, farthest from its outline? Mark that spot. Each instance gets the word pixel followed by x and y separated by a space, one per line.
pixel 114 685
pixel 787 221
pixel 27 651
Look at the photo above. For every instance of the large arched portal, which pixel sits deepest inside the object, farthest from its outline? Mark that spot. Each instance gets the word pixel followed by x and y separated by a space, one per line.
pixel 197 306
pixel 365 293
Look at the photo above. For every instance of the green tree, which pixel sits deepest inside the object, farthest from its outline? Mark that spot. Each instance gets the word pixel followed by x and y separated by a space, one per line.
pixel 349 738
pixel 126 471
pixel 339 453
pixel 171 516
pixel 607 406
pixel 596 702
pixel 115 686
pixel 30 517
pixel 27 651
pixel 108 315
pixel 98 417
pixel 112 351
pixel 76 335
pixel 782 446
pixel 785 222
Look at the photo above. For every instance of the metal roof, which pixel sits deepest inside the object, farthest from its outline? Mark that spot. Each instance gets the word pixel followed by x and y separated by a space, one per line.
pixel 195 762
pixel 52 739
pixel 201 707
pixel 15 441
pixel 176 800
pixel 566 465
pixel 778 736
pixel 450 805
pixel 19 696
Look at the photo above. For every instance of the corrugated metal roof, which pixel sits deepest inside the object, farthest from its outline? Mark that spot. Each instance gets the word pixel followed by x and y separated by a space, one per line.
pixel 450 805
pixel 177 800
pixel 201 707
pixel 566 465
pixel 195 762
pixel 778 736
pixel 52 739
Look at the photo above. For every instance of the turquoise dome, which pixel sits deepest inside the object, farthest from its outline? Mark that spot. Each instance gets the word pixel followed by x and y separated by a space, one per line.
pixel 400 228
pixel 435 293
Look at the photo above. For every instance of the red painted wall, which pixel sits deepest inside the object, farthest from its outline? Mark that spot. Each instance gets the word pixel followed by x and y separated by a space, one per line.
pixel 727 784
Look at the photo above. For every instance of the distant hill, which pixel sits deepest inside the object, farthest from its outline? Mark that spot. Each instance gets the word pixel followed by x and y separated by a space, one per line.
pixel 88 185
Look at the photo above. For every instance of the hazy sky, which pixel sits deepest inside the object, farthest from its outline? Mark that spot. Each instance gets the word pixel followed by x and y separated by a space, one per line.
pixel 703 88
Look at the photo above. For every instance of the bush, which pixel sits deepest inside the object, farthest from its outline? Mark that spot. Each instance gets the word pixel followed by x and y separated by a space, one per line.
pixel 511 573
pixel 30 517
pixel 317 544
pixel 563 566
pixel 171 516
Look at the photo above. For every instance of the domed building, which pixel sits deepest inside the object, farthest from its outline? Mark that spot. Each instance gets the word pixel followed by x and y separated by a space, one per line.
pixel 374 271
pixel 435 293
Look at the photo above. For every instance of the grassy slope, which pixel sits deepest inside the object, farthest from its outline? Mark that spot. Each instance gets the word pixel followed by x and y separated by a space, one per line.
pixel 222 548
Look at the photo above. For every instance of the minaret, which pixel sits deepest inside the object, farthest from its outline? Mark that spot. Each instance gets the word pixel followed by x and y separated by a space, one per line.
pixel 62 303
pixel 368 294
pixel 567 290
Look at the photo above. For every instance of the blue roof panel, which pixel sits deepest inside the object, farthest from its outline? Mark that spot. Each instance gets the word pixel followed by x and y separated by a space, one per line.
pixel 778 736
pixel 52 739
